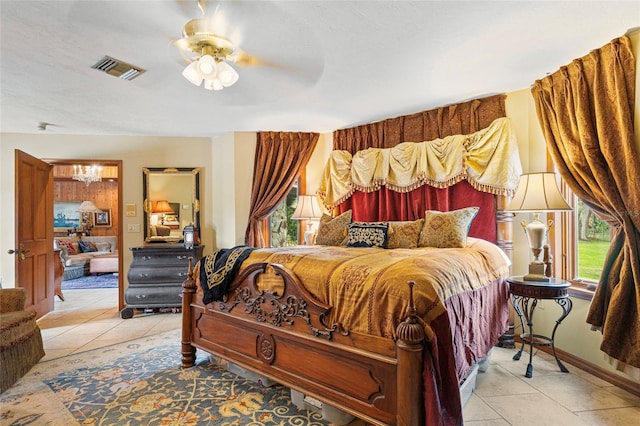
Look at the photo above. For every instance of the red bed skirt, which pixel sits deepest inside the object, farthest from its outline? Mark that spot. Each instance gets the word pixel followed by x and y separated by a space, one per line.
pixel 486 317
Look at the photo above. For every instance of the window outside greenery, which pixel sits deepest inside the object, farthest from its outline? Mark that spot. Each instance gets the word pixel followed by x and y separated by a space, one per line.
pixel 594 238
pixel 283 229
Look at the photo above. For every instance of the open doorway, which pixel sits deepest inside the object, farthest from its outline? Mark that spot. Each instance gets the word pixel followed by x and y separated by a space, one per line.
pixel 88 225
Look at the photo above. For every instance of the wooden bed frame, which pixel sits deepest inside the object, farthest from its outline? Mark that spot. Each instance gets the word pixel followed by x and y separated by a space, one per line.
pixel 282 335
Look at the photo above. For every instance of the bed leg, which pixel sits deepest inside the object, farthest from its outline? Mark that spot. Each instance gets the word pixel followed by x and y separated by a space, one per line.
pixel 504 223
pixel 188 289
pixel 410 345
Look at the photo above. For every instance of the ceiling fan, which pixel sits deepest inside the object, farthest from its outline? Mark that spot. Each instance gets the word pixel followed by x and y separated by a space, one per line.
pixel 208 54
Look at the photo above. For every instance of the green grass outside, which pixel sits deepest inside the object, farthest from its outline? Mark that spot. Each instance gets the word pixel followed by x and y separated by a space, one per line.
pixel 591 256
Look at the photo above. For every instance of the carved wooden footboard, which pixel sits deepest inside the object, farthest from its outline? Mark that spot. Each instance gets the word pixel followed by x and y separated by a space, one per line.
pixel 272 325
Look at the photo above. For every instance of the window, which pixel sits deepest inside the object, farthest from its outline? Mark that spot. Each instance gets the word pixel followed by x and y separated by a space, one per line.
pixel 282 230
pixel 593 240
pixel 580 242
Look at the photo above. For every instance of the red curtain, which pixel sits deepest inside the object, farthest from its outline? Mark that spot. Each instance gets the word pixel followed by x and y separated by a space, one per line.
pixel 386 205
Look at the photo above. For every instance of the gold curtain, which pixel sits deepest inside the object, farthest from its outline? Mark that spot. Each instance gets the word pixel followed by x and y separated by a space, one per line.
pixel 458 119
pixel 586 112
pixel 280 158
pixel 488 159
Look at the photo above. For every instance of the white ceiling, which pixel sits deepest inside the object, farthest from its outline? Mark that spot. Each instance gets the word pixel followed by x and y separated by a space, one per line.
pixel 336 64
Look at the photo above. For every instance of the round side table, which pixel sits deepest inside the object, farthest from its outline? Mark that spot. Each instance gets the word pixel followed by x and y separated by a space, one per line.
pixel 525 296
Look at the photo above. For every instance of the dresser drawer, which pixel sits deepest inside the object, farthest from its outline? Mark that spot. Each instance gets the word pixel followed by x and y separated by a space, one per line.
pixel 150 297
pixel 158 260
pixel 157 275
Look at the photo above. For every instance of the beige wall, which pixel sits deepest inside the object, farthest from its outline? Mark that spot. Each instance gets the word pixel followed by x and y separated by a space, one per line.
pixel 315 168
pixel 232 175
pixel 135 153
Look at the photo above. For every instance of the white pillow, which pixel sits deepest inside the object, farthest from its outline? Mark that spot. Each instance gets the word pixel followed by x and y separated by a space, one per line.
pixel 103 246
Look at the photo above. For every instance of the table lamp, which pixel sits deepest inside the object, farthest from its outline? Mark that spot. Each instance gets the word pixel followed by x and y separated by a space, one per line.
pixel 161 207
pixel 86 208
pixel 307 209
pixel 537 193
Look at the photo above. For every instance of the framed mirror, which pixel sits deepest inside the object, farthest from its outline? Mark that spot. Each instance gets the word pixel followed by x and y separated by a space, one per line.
pixel 171 202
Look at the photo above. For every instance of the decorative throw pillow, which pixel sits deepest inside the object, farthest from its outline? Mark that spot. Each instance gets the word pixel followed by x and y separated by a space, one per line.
pixel 367 234
pixel 87 246
pixel 75 247
pixel 68 246
pixel 332 231
pixel 446 229
pixel 404 234
pixel 103 246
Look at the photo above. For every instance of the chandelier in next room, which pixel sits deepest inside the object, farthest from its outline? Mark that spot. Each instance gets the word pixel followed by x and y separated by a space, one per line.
pixel 87 174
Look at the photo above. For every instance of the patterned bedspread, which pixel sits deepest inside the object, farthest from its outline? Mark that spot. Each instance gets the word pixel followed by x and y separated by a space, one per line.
pixel 367 287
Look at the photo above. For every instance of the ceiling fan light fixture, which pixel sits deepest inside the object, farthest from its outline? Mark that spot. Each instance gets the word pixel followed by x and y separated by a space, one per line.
pixel 192 74
pixel 213 84
pixel 211 55
pixel 207 66
pixel 227 75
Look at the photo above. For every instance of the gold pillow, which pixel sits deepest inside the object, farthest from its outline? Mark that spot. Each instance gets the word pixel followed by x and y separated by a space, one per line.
pixel 404 234
pixel 446 229
pixel 332 231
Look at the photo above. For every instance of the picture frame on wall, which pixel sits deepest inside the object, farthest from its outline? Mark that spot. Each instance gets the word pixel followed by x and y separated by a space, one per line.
pixel 66 215
pixel 102 218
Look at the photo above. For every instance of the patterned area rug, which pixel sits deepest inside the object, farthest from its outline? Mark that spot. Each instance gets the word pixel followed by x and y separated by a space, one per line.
pixel 91 281
pixel 141 383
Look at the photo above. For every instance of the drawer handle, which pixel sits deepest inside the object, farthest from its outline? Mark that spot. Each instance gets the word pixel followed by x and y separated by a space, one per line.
pixel 141 296
pixel 147 257
pixel 182 274
pixel 181 257
pixel 144 275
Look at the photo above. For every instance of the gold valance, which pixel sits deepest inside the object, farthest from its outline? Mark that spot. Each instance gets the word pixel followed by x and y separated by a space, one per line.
pixel 488 159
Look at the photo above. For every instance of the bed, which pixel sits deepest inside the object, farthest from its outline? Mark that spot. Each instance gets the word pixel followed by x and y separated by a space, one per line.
pixel 386 335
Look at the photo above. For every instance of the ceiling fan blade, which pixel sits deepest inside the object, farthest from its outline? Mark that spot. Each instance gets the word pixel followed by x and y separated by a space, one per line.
pixel 183 49
pixel 243 59
pixel 191 7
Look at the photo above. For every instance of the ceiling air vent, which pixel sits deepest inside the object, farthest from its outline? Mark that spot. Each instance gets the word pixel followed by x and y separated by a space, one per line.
pixel 117 68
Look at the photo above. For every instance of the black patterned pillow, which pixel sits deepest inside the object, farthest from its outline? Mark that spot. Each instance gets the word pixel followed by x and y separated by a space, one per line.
pixel 367 234
pixel 332 231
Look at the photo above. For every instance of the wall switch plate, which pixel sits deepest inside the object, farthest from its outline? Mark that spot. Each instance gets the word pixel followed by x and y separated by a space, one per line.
pixel 130 210
pixel 133 227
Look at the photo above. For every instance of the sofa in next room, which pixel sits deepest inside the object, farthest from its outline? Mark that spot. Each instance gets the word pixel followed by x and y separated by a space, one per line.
pixel 77 253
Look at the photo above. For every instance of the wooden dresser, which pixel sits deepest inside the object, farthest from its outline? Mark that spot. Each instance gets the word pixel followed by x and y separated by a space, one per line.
pixel 156 275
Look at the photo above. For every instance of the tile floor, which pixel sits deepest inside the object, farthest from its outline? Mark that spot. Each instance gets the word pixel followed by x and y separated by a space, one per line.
pixel 89 319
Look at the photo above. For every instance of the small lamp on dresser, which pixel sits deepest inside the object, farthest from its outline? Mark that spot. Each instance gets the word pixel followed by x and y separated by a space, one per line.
pixel 537 193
